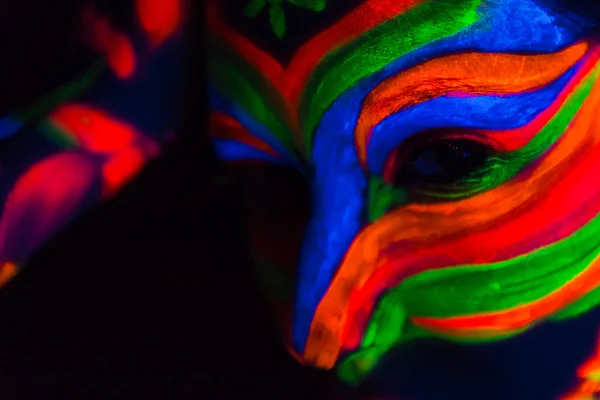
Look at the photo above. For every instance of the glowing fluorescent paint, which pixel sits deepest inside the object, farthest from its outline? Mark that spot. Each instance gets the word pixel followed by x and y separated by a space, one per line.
pixel 506 246
pixel 494 76
pixel 404 224
pixel 224 127
pixel 589 373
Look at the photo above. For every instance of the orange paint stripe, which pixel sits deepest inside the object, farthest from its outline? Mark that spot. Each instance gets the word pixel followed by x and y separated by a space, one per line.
pixel 479 73
pixel 523 315
pixel 7 272
pixel 417 223
pixel 222 126
pixel 590 374
pixel 290 81
pixel 590 369
pixel 570 176
pixel 588 390
pixel 515 139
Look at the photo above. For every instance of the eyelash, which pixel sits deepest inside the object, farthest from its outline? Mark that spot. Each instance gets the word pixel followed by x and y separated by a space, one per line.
pixel 489 174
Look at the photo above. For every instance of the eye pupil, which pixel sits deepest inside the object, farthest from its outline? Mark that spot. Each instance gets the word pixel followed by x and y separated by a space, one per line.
pixel 443 161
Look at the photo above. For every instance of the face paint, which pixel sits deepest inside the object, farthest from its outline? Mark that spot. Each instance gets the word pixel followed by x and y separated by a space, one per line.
pixel 450 152
pixel 88 137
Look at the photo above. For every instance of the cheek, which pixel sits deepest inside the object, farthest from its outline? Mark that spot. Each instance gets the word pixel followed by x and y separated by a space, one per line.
pixel 276 201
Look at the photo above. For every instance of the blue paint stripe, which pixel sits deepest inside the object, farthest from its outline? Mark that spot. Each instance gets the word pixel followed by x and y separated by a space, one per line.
pixel 220 103
pixel 481 112
pixel 232 150
pixel 338 203
pixel 509 26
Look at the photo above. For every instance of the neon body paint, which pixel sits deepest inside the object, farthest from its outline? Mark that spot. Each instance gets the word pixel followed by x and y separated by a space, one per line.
pixel 394 250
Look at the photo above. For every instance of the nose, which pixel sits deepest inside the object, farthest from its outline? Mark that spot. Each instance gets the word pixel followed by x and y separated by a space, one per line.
pixel 338 204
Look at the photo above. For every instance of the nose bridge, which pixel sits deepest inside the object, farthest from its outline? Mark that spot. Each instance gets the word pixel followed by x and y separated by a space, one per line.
pixel 338 207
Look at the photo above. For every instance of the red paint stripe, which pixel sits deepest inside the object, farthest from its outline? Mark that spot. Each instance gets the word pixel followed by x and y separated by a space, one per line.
pixel 291 80
pixel 259 59
pixel 515 139
pixel 400 91
pixel 520 316
pixel 573 201
pixel 362 19
pixel 222 126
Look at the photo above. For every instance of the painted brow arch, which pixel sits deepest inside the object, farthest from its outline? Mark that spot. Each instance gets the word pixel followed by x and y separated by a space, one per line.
pixel 346 66
pixel 371 28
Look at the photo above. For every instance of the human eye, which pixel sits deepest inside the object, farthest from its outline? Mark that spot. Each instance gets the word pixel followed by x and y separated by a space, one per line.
pixel 445 163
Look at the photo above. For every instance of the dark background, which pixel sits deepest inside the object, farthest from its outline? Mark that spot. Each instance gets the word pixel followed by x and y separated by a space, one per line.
pixel 146 297
pixel 150 295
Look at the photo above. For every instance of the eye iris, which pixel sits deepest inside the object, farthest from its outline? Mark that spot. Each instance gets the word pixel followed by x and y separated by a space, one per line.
pixel 445 161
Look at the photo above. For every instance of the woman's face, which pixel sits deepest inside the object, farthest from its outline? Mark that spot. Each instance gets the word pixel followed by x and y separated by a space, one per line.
pixel 449 152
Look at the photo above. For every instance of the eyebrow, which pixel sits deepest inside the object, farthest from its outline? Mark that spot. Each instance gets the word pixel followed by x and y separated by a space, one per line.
pixel 474 73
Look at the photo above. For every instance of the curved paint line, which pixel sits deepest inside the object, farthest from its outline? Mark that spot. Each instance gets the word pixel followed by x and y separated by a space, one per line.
pixel 471 73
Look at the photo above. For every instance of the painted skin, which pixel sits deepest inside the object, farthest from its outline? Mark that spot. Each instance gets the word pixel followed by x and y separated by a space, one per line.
pixel 449 150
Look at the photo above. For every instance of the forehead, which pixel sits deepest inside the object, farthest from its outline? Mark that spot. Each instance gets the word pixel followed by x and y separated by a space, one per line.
pixel 302 21
pixel 310 69
pixel 282 27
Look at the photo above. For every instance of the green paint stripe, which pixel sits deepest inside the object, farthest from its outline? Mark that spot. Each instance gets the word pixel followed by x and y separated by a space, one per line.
pixel 241 83
pixel 382 197
pixel 503 167
pixel 315 5
pixel 58 135
pixel 389 323
pixel 471 289
pixel 583 305
pixel 496 170
pixel 372 51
